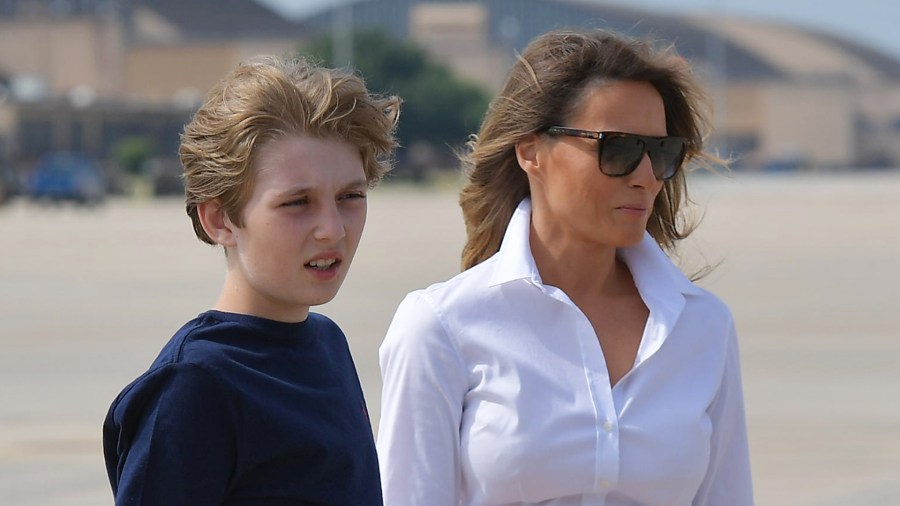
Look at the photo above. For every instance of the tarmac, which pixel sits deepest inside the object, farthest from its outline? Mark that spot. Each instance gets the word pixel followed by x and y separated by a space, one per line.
pixel 809 264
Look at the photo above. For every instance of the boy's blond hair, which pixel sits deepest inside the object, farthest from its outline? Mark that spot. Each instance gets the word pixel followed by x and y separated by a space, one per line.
pixel 267 98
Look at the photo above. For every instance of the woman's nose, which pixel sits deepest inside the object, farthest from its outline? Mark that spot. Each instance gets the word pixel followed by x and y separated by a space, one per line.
pixel 643 175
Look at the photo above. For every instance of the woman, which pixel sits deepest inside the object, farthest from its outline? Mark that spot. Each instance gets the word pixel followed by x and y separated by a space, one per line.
pixel 571 363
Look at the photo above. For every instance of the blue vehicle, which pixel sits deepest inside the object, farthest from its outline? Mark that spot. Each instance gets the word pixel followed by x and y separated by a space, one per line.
pixel 67 177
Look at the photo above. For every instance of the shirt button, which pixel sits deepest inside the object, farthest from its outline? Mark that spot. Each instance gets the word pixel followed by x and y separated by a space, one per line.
pixel 608 426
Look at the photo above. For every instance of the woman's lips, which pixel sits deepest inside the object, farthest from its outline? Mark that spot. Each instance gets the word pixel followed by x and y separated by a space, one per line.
pixel 633 209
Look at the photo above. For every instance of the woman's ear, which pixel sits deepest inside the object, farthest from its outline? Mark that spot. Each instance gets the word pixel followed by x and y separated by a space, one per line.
pixel 527 154
pixel 216 223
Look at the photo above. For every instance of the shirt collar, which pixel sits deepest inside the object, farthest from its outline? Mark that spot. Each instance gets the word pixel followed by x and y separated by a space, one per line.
pixel 514 260
pixel 652 271
pixel 662 287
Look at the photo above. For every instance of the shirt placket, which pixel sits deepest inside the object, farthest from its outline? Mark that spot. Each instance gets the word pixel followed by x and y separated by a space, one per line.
pixel 606 420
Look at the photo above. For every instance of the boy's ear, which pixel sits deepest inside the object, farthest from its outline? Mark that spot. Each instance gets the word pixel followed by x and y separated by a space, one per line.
pixel 216 223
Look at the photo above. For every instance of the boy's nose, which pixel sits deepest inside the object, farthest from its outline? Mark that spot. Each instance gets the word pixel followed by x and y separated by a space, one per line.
pixel 330 225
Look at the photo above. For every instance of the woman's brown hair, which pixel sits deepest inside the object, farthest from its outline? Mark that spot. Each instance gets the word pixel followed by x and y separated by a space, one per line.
pixel 543 89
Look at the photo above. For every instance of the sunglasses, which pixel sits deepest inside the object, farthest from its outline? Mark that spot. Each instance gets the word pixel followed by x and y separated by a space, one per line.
pixel 619 154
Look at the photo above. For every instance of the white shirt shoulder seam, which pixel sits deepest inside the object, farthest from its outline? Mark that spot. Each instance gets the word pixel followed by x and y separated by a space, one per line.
pixel 439 315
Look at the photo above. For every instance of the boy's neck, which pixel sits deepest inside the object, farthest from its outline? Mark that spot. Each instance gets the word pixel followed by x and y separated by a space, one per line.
pixel 234 300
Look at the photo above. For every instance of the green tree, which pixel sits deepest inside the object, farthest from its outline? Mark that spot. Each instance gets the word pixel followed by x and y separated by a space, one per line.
pixel 131 153
pixel 438 107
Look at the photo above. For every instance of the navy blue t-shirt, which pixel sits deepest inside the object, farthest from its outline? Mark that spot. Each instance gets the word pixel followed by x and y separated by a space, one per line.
pixel 240 410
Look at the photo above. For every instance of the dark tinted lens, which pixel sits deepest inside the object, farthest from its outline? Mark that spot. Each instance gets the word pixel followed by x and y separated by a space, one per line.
pixel 666 156
pixel 620 154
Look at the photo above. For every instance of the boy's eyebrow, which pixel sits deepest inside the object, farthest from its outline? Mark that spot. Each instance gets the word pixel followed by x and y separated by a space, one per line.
pixel 361 182
pixel 301 188
pixel 294 190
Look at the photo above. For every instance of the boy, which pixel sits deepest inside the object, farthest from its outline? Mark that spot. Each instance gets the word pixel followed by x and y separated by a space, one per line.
pixel 257 400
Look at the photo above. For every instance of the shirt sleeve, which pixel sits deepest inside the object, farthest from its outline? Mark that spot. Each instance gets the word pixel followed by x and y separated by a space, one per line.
pixel 424 385
pixel 728 479
pixel 170 440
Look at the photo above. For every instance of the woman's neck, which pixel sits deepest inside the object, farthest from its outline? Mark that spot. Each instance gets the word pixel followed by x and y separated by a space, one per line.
pixel 579 268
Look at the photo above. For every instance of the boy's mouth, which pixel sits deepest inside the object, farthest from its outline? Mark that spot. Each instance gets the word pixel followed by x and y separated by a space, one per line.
pixel 323 264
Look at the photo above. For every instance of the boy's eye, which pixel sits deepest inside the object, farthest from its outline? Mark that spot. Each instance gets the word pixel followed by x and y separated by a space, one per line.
pixel 297 202
pixel 353 195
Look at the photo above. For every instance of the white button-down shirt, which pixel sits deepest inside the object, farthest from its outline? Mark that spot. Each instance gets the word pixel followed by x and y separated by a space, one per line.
pixel 496 392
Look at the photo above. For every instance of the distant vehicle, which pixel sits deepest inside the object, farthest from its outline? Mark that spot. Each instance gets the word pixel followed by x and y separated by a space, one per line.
pixel 9 183
pixel 67 177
